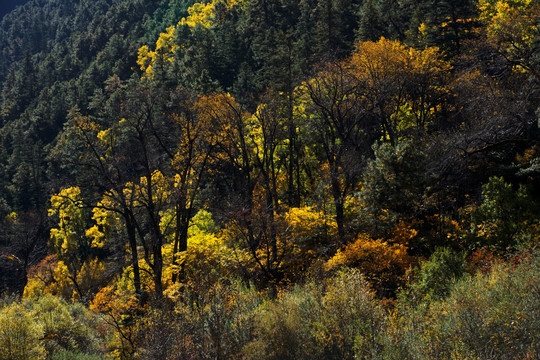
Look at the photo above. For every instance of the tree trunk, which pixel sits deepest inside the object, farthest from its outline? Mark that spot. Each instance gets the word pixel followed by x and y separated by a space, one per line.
pixel 134 253
pixel 338 203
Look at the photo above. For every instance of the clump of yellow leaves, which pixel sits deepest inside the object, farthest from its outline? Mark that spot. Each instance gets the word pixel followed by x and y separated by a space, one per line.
pixel 200 14
pixel 384 263
pixel 512 26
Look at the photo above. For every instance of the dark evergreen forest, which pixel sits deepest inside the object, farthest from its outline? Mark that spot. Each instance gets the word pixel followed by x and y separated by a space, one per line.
pixel 270 179
pixel 8 5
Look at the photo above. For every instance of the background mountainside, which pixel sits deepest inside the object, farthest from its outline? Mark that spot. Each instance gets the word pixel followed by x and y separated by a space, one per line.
pixel 217 166
pixel 8 6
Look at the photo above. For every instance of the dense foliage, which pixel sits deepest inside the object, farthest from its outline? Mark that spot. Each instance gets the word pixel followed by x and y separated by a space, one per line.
pixel 270 179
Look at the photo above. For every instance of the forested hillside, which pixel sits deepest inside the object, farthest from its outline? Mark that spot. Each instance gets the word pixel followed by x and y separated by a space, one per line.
pixel 270 179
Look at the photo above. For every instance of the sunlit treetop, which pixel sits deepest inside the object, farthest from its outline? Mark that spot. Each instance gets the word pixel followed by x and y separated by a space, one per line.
pixel 512 26
pixel 165 49
pixel 517 18
pixel 200 14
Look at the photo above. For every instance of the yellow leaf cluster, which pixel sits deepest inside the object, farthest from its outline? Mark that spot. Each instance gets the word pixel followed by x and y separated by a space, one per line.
pixel 200 14
pixel 511 23
pixel 366 251
pixel 403 233
pixel 305 220
pixel 390 57
pixel 378 260
pixel 69 235
pixel 60 283
pixel 165 49
pixel 110 300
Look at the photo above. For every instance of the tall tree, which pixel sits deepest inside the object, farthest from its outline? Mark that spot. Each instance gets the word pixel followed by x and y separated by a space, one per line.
pixel 342 129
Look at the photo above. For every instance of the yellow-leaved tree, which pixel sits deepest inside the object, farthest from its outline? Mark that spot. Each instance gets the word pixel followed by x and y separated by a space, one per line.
pixel 512 27
pixel 73 271
pixel 201 14
pixel 164 53
pixel 402 87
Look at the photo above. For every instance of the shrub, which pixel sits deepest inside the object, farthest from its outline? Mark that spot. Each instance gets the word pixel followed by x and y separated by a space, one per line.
pixel 19 334
pixel 211 324
pixel 435 277
pixel 336 319
pixel 66 326
pixel 489 316
pixel 493 316
pixel 507 218
pixel 384 264
pixel 283 328
pixel 74 355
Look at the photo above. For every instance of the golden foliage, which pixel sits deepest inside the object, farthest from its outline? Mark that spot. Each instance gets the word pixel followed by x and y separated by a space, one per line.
pixel 53 276
pixel 200 14
pixel 203 14
pixel 165 49
pixel 384 264
pixel 406 82
pixel 20 334
pixel 512 27
pixel 69 236
pixel 304 221
pixel 515 18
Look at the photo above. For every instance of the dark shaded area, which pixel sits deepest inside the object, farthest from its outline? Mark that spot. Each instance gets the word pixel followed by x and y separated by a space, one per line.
pixel 8 5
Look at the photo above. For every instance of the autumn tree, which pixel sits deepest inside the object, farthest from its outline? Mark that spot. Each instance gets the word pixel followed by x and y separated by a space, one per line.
pixel 248 156
pixel 401 86
pixel 197 138
pixel 109 153
pixel 151 163
pixel 512 28
pixel 99 160
pixel 342 131
pixel 74 248
pixel 163 169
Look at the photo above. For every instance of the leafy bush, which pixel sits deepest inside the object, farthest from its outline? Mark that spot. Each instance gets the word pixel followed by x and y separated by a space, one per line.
pixel 49 326
pixel 214 324
pixel 435 277
pixel 382 263
pixel 66 326
pixel 338 319
pixel 506 218
pixel 73 355
pixel 490 316
pixel 493 316
pixel 20 334
pixel 283 328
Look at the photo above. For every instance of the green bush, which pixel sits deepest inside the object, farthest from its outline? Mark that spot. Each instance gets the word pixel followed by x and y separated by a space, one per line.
pixel 336 319
pixel 490 316
pixel 507 218
pixel 284 327
pixel 20 334
pixel 394 186
pixel 435 277
pixel 493 316
pixel 73 355
pixel 49 327
pixel 66 326
pixel 214 324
